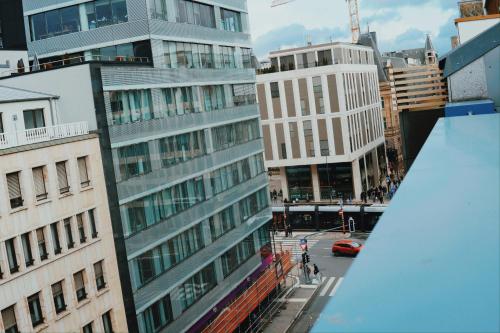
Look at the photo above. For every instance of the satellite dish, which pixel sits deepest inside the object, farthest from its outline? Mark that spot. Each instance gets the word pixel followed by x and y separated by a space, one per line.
pixel 275 3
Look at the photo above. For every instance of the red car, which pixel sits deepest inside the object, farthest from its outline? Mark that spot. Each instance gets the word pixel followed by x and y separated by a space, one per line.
pixel 346 247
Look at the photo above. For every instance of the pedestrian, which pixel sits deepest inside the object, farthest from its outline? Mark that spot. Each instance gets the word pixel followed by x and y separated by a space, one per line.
pixel 280 194
pixel 381 198
pixel 286 230
pixel 290 230
pixel 316 270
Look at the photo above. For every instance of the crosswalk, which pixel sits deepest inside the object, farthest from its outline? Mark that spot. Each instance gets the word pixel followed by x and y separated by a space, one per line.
pixel 292 245
pixel 327 286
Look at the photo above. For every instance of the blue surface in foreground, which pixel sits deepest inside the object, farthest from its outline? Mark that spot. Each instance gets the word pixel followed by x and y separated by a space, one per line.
pixel 470 107
pixel 432 262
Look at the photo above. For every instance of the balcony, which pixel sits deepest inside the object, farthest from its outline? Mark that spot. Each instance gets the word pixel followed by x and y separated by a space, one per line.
pixel 42 134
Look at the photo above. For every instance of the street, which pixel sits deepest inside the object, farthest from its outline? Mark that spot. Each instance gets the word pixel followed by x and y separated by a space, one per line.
pixel 332 270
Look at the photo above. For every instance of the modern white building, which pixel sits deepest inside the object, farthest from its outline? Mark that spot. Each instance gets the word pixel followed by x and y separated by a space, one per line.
pixel 322 122
pixel 58 268
pixel 170 87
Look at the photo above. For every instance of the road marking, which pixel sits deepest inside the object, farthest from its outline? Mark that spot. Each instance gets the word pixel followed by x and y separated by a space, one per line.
pixel 327 286
pixel 308 286
pixel 293 300
pixel 327 248
pixel 334 290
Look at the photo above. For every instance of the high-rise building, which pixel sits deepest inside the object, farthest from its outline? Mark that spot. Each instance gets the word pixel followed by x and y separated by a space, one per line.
pixel 169 86
pixel 322 122
pixel 58 268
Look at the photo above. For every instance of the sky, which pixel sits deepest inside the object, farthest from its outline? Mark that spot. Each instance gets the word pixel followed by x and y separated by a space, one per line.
pixel 400 24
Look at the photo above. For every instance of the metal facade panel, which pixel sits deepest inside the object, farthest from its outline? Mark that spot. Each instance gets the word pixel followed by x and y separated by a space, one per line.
pixel 142 77
pixel 167 177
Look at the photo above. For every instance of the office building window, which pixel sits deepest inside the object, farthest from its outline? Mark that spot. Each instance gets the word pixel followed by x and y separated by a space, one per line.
pixel 130 106
pixel 28 254
pixel 82 170
pixel 221 223
pixel 78 278
pixel 81 228
pixel 101 13
pixel 231 20
pixel 308 137
pixel 10 248
pixel 55 22
pixel 157 315
pixel 181 148
pixel 213 97
pixel 100 282
pixel 165 256
pixel 237 255
pixel 157 207
pixel 56 242
pixel 325 58
pixel 40 186
pixel 188 55
pixel 33 119
pixel 246 57
pixel 263 236
pixel 69 233
pixel 231 175
pixel 107 322
pixel 134 160
pixel 234 134
pixel 275 90
pixel 253 204
pixel 14 187
pixel 158 9
pixel 287 63
pixel 35 309
pixel 42 245
pixel 318 94
pixel 195 287
pixel 195 13
pixel 180 101
pixel 226 57
pixel 244 94
pixel 62 177
pixel 9 320
pixel 324 147
pixel 88 328
pixel 93 224
pixel 1 122
pixel 58 296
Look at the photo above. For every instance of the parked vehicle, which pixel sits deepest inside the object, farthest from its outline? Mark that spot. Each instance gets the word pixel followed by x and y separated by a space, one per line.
pixel 346 247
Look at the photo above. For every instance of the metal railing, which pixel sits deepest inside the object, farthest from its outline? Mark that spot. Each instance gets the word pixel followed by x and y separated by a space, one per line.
pixel 41 134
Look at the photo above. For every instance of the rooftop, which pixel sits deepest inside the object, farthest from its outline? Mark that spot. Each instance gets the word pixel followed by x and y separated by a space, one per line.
pixel 317 46
pixel 432 262
pixel 11 95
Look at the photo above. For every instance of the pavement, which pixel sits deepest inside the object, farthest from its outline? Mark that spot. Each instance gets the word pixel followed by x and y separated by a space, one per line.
pixel 304 304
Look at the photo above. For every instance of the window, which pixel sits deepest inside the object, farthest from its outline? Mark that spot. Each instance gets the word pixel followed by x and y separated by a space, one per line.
pixel 318 94
pixel 69 233
pixel 157 315
pixel 275 91
pixel 28 254
pixel 11 255
pixel 181 148
pixel 81 228
pixel 324 147
pixel 42 246
pixel 93 227
pixel 233 174
pixel 101 13
pixel 287 63
pixel 180 101
pixel 134 160
pixel 234 134
pixel 213 97
pixel 99 275
pixel 56 242
pixel 244 94
pixel 188 55
pixel 227 57
pixel 246 57
pixel 158 9
pixel 325 58
pixel 237 255
pixel 1 123
pixel 107 323
pixel 16 199
pixel 58 296
pixel 195 13
pixel 33 119
pixel 62 177
pixel 130 106
pixel 88 328
pixel 55 22
pixel 9 320
pixel 82 168
pixel 78 278
pixel 35 309
pixel 196 287
pixel 231 20
pixel 308 137
pixel 40 187
pixel 253 204
pixel 221 223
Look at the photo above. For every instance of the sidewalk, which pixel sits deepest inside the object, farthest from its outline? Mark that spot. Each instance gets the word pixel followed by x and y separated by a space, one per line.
pixel 292 307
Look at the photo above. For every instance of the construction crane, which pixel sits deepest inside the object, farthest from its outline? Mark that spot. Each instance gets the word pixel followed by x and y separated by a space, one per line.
pixel 353 16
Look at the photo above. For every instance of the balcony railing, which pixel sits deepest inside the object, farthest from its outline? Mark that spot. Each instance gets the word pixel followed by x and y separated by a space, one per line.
pixel 41 134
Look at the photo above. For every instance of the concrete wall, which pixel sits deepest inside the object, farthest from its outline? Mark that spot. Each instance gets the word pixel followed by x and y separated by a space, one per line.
pixel 470 29
pixel 16 287
pixel 11 111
